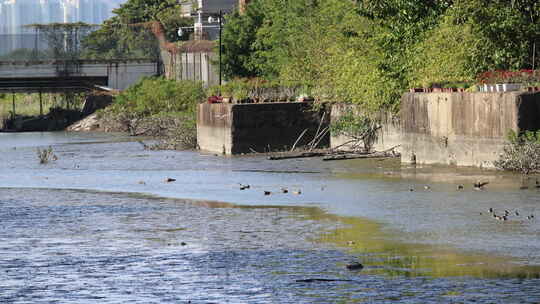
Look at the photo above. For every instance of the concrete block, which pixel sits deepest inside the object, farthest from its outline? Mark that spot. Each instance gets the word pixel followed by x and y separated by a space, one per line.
pixel 261 127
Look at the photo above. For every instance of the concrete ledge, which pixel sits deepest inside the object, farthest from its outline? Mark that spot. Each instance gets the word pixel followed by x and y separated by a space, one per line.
pixel 463 129
pixel 260 127
pixel 457 129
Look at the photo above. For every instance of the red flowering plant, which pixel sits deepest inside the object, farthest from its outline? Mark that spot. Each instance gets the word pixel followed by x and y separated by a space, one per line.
pixel 502 76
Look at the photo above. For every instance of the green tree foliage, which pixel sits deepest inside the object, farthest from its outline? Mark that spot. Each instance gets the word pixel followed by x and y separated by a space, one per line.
pixel 370 51
pixel 507 29
pixel 127 34
pixel 450 53
pixel 400 25
pixel 237 38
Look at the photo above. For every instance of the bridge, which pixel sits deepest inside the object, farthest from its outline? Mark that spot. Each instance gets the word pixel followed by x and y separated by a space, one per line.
pixel 51 76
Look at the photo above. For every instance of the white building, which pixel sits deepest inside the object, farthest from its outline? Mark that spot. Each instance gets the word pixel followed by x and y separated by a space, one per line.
pixel 16 14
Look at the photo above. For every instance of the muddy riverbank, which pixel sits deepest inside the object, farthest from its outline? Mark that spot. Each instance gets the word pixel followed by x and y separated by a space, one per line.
pixel 79 229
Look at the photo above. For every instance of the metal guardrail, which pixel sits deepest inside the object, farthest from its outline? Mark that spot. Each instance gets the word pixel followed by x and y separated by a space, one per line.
pixel 51 84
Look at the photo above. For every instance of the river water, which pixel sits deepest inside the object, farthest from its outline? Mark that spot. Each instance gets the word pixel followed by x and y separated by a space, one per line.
pixel 101 225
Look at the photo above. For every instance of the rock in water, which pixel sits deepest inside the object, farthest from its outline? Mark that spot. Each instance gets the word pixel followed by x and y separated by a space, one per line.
pixel 355 266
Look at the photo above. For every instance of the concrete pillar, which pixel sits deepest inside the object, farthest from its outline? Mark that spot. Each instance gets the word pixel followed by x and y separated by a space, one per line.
pixel 40 104
pixel 13 103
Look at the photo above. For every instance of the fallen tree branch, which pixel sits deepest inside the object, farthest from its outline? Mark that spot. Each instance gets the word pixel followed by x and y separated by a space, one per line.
pixel 297 155
pixel 389 153
pixel 298 139
pixel 358 155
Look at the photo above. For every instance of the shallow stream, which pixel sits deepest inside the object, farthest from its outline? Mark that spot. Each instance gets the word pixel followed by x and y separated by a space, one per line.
pixel 101 224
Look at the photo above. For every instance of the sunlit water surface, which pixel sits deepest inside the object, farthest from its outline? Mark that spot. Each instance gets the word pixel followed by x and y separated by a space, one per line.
pixel 100 224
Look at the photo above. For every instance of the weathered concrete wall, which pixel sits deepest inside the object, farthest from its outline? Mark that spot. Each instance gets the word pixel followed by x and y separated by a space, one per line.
pixel 389 136
pixel 262 127
pixel 464 129
pixel 214 127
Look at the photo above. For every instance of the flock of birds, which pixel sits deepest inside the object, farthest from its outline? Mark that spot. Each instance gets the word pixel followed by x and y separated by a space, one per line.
pixel 480 186
pixel 283 190
pixel 507 214
pixel 476 186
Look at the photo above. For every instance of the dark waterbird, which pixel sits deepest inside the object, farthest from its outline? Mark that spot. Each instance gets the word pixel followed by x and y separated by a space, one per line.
pixel 355 266
pixel 479 185
pixel 322 280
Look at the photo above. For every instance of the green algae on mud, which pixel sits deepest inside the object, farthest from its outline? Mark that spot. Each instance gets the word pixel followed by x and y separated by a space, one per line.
pixel 393 171
pixel 381 253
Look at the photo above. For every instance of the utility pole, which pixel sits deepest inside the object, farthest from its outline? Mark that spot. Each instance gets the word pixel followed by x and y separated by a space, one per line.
pixel 220 47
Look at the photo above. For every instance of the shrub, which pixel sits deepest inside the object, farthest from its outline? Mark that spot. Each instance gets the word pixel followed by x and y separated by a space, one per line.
pixel 522 153
pixel 165 109
pixel 151 96
pixel 46 155
pixel 360 129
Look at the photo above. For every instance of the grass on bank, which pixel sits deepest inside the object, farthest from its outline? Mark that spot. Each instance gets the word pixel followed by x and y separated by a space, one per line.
pixel 28 104
pixel 25 104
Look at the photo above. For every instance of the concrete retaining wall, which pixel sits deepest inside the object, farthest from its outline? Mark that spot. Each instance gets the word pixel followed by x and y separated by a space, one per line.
pixel 463 129
pixel 245 128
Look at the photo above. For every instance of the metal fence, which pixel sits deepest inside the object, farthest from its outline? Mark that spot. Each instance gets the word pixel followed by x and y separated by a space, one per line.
pixel 193 65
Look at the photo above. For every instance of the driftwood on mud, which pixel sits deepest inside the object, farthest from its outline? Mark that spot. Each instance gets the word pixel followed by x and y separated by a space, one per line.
pixel 390 153
pixel 337 155
pixel 297 155
pixel 361 155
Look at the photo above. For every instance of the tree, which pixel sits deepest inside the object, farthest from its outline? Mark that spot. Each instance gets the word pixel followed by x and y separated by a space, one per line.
pixel 127 33
pixel 63 40
pixel 371 51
